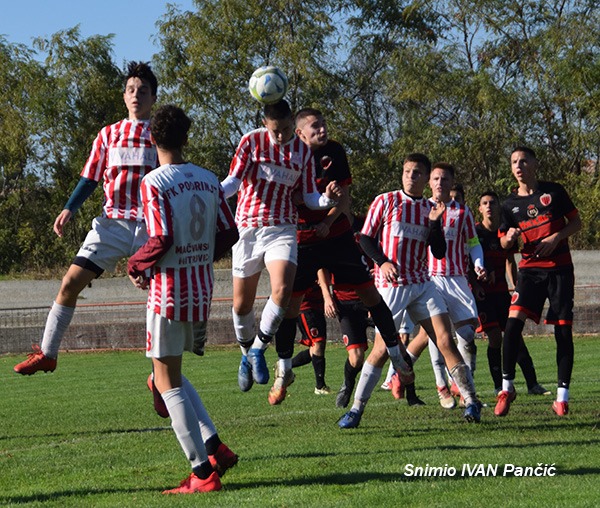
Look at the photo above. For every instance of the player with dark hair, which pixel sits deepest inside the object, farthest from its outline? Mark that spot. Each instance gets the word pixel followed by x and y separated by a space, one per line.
pixel 269 165
pixel 493 297
pixel 326 241
pixel 449 274
pixel 399 227
pixel 185 212
pixel 543 216
pixel 121 155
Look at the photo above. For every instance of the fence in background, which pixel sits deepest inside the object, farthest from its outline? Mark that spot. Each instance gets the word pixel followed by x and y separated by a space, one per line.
pixel 122 325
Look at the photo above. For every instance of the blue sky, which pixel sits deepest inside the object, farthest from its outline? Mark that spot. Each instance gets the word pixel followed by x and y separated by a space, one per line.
pixel 132 23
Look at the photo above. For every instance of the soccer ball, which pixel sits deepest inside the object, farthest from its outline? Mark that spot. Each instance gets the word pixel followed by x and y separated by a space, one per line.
pixel 268 84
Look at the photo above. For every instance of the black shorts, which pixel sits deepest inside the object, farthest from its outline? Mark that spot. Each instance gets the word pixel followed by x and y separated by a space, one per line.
pixel 340 256
pixel 353 318
pixel 312 326
pixel 492 311
pixel 534 286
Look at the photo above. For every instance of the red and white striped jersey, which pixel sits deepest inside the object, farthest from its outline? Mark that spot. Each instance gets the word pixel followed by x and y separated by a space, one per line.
pixel 121 155
pixel 401 224
pixel 459 228
pixel 187 203
pixel 270 173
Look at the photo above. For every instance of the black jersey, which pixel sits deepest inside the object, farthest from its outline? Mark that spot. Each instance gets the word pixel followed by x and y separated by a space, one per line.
pixel 539 215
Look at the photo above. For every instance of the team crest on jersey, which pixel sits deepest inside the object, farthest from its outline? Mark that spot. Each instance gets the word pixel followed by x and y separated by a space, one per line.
pixel 345 340
pixel 314 332
pixel 532 211
pixel 514 297
pixel 545 199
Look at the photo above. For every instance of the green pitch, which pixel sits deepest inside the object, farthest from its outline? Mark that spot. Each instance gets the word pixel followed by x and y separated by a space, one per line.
pixel 87 435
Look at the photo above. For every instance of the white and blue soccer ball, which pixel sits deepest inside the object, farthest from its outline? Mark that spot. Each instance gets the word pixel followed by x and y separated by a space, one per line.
pixel 268 84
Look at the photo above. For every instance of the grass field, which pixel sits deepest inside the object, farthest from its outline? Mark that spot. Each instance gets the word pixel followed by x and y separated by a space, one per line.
pixel 87 435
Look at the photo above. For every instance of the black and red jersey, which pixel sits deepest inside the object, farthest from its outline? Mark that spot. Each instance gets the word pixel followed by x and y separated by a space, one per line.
pixel 331 164
pixel 539 215
pixel 495 259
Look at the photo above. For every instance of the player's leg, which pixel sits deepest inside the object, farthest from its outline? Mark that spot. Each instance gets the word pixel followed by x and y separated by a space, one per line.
pixel 494 356
pixel 319 364
pixel 438 328
pixel 353 325
pixel 369 378
pixel 58 320
pixel 284 345
pixel 384 321
pixel 561 294
pixel 244 324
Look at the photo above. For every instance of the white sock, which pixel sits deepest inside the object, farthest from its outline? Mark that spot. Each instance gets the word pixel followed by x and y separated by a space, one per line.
pixel 58 320
pixel 508 385
pixel 562 395
pixel 369 378
pixel 207 427
pixel 439 365
pixel 245 328
pixel 391 371
pixel 271 318
pixel 465 336
pixel 464 380
pixel 185 425
pixel 396 358
pixel 284 365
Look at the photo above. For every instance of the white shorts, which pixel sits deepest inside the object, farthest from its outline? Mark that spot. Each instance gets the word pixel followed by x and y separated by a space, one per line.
pixel 111 240
pixel 415 301
pixel 166 337
pixel 458 297
pixel 258 246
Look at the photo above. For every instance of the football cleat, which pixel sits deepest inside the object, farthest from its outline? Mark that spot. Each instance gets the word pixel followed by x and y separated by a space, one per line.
pixel 386 385
pixel 278 391
pixel 260 372
pixel 323 391
pixel 35 361
pixel 504 399
pixel 343 396
pixel 193 484
pixel 413 400
pixel 538 390
pixel 350 420
pixel 560 408
pixel 223 459
pixel 398 386
pixel 473 413
pixel 159 404
pixel 446 399
pixel 245 380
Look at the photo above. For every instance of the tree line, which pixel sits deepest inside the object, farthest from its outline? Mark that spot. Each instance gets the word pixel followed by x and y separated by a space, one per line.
pixel 463 82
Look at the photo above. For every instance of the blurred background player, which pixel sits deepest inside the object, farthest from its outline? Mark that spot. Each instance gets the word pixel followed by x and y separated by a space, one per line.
pixel 399 227
pixel 184 206
pixel 450 276
pixel 493 297
pixel 270 163
pixel 121 155
pixel 543 216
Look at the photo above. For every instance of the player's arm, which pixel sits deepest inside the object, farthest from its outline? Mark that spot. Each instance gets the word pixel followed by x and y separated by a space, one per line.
pixel 227 233
pixel 435 238
pixel 84 189
pixel 476 255
pixel 548 244
pixel 511 269
pixel 323 227
pixel 324 280
pixel 318 201
pixel 146 257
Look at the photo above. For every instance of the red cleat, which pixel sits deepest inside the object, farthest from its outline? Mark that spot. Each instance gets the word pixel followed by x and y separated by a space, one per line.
pixel 504 400
pixel 454 390
pixel 159 404
pixel 560 408
pixel 35 361
pixel 223 459
pixel 193 484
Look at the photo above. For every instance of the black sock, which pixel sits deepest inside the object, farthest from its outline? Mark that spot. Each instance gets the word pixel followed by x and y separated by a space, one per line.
pixel 284 338
pixel 319 366
pixel 526 363
pixel 302 358
pixel 563 335
pixel 212 443
pixel 513 335
pixel 204 470
pixel 350 374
